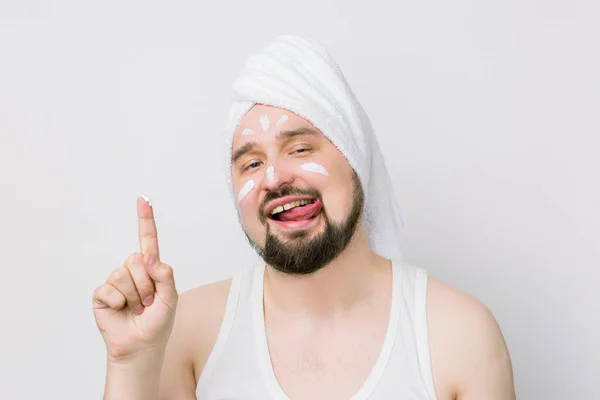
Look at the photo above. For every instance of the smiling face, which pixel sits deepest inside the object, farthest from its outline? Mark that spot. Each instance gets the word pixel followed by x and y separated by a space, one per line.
pixel 299 201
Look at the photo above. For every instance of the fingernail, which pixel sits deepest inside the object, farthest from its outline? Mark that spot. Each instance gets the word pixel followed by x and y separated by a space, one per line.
pixel 148 300
pixel 151 261
pixel 146 199
pixel 138 309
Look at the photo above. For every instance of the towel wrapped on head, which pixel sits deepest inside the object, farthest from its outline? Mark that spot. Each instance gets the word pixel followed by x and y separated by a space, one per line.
pixel 299 75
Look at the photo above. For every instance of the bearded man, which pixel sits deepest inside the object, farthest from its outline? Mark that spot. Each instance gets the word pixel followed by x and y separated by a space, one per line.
pixel 332 311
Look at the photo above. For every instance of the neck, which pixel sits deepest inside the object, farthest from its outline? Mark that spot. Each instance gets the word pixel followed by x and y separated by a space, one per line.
pixel 351 278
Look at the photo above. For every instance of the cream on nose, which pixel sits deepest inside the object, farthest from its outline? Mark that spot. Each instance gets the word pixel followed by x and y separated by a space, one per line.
pixel 270 174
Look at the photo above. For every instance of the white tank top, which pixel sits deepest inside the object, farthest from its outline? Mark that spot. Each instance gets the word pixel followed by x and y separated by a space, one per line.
pixel 239 366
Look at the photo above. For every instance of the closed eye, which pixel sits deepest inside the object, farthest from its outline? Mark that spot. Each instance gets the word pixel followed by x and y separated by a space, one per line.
pixel 301 150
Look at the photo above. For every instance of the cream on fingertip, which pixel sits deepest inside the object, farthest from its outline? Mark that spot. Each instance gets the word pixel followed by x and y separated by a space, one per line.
pixel 146 199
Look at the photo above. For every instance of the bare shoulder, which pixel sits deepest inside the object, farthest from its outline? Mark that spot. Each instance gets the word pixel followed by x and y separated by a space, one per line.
pixel 469 356
pixel 197 323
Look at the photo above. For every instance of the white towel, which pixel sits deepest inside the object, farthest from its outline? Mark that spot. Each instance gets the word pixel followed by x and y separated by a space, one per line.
pixel 299 75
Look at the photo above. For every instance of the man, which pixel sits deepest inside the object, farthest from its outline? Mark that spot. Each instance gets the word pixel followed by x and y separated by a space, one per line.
pixel 333 312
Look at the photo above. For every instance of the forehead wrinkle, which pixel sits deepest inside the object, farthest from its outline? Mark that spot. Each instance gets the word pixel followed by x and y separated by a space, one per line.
pixel 288 134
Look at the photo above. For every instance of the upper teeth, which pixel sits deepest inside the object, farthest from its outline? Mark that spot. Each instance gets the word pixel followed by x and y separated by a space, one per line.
pixel 291 205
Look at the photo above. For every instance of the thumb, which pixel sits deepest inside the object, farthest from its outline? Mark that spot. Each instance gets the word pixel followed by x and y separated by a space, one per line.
pixel 162 275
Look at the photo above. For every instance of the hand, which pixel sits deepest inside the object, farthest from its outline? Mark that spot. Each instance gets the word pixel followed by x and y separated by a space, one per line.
pixel 135 308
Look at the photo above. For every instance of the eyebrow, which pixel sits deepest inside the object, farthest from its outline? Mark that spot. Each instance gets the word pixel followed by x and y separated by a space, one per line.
pixel 283 135
pixel 248 147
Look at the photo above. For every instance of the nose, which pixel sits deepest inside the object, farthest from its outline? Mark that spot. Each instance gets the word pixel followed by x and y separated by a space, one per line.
pixel 276 175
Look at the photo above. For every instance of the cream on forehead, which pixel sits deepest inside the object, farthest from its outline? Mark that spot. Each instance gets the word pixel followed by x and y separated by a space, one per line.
pixel 245 190
pixel 283 118
pixel 247 131
pixel 270 173
pixel 314 167
pixel 264 122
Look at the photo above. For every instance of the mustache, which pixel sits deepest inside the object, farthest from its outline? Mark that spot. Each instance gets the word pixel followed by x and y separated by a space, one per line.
pixel 283 191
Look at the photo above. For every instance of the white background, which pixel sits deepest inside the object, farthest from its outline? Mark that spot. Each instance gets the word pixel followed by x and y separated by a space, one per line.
pixel 487 113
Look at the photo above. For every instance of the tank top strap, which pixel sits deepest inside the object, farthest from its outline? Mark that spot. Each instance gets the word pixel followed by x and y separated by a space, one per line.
pixel 421 335
pixel 238 283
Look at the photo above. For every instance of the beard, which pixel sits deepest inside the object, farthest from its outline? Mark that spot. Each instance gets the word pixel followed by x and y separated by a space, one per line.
pixel 300 254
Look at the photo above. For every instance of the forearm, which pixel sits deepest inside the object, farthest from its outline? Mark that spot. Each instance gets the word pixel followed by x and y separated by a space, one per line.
pixel 133 381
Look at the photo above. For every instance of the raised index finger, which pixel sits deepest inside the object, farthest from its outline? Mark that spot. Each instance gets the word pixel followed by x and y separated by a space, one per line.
pixel 147 227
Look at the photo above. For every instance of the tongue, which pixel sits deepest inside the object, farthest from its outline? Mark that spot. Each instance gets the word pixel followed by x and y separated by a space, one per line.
pixel 301 213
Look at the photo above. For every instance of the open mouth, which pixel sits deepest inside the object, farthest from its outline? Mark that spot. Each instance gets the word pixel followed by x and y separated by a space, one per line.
pixel 297 211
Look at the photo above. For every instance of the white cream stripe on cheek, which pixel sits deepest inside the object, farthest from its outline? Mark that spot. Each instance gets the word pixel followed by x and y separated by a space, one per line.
pixel 270 173
pixel 245 190
pixel 282 120
pixel 313 167
pixel 247 131
pixel 264 122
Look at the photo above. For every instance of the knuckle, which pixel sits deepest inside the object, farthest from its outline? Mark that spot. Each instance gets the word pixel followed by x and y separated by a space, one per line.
pixel 131 259
pixel 167 271
pixel 118 275
pixel 136 266
pixel 109 296
pixel 99 292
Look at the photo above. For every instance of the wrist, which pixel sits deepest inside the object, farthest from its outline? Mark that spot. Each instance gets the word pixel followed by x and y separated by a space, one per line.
pixel 145 359
pixel 134 378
